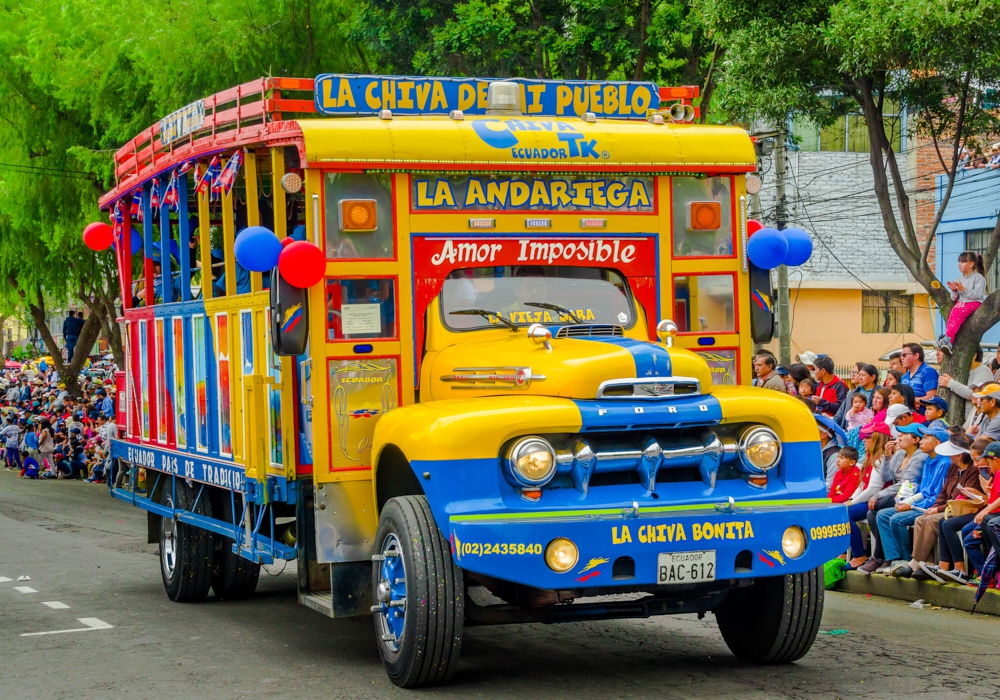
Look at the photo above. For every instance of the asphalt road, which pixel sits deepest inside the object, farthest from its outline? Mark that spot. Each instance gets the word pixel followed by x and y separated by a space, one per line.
pixel 83 550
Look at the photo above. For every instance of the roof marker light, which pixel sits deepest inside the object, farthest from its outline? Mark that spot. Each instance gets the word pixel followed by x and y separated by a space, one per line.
pixel 656 119
pixel 589 117
pixel 593 223
pixel 385 114
pixel 538 223
pixel 456 115
pixel 482 223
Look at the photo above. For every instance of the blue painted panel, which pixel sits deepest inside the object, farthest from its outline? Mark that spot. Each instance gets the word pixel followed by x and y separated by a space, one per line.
pixel 974 200
pixel 185 465
pixel 514 550
pixel 651 359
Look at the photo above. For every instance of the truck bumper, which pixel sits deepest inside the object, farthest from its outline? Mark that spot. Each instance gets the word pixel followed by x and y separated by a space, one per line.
pixel 746 544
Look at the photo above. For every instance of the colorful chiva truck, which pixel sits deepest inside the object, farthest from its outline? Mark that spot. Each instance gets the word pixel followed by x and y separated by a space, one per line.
pixel 519 391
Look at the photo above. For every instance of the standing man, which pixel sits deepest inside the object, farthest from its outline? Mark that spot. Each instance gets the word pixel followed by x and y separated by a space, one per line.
pixel 979 374
pixel 71 333
pixel 830 391
pixel 921 377
pixel 107 405
pixel 766 369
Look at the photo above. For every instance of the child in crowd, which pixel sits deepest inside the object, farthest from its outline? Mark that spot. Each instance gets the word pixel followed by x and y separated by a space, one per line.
pixel 30 468
pixel 859 413
pixel 806 388
pixel 847 476
pixel 968 291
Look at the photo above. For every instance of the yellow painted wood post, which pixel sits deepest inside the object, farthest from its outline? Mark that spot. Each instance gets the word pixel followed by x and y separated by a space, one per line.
pixel 228 238
pixel 205 241
pixel 250 179
pixel 277 171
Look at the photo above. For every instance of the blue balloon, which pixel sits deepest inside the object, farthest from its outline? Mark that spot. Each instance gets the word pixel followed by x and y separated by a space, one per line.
pixel 257 249
pixel 767 248
pixel 800 246
pixel 136 242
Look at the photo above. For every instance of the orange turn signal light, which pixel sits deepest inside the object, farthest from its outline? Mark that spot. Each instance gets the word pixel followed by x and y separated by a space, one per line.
pixel 358 215
pixel 704 216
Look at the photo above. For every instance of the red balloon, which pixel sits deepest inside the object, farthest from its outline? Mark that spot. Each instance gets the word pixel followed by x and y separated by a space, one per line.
pixel 302 264
pixel 98 236
pixel 753 226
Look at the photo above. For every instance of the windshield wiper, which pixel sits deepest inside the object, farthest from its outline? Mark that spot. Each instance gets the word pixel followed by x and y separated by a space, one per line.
pixel 553 307
pixel 485 314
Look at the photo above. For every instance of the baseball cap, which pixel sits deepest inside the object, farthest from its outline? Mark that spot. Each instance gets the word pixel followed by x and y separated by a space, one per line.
pixel 912 429
pixel 947 448
pixel 989 389
pixel 808 358
pixel 872 428
pixel 782 371
pixel 992 450
pixel 937 401
pixel 894 412
pixel 941 434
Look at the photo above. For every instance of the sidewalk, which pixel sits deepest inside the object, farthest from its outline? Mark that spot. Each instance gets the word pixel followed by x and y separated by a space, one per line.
pixel 946 595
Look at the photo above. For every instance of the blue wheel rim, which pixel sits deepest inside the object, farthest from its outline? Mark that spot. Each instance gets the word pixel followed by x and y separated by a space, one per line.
pixel 391 593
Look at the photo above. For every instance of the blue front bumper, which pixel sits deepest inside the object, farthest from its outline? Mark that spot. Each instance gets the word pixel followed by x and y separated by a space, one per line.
pixel 511 547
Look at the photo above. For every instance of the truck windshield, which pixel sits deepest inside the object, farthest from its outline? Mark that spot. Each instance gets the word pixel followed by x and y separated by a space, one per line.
pixel 518 295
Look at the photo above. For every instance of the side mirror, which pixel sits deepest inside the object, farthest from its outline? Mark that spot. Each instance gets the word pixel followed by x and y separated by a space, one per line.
pixel 665 331
pixel 289 317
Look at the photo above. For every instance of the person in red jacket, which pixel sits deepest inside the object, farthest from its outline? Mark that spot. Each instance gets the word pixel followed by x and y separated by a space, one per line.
pixel 847 477
pixel 830 390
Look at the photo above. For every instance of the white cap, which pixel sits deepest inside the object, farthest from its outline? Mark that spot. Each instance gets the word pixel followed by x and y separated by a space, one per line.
pixel 808 358
pixel 949 449
pixel 894 412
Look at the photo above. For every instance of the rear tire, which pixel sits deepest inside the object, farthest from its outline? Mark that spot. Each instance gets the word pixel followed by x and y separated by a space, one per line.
pixel 233 577
pixel 420 638
pixel 775 620
pixel 186 552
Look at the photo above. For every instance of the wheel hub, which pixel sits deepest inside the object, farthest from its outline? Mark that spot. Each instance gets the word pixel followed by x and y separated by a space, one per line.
pixel 168 546
pixel 391 594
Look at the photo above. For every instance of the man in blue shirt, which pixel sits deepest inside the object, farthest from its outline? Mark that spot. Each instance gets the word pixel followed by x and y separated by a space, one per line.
pixel 893 522
pixel 921 377
pixel 107 403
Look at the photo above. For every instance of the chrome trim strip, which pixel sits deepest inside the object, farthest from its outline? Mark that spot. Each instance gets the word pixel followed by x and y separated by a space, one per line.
pixel 610 383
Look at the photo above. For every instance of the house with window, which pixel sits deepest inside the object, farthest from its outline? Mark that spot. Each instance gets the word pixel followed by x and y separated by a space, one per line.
pixel 854 299
pixel 967 224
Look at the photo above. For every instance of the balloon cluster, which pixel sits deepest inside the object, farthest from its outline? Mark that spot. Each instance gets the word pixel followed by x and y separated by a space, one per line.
pixel 769 247
pixel 301 263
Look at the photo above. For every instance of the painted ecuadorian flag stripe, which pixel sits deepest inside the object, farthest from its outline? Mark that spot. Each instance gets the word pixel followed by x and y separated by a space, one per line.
pixel 651 360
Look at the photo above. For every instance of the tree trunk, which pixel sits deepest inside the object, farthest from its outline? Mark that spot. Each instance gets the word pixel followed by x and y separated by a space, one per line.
pixel 640 61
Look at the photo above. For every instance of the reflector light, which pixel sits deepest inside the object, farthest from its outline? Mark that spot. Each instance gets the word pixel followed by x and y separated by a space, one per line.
pixel 358 215
pixel 593 223
pixel 538 223
pixel 482 223
pixel 704 216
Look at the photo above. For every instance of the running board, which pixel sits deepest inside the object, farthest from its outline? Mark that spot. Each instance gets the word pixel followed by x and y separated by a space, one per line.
pixel 350 593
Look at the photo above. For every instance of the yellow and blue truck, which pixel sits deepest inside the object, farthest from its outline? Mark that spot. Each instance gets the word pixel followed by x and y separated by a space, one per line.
pixel 503 378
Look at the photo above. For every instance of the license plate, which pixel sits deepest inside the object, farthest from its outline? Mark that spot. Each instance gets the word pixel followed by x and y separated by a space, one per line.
pixel 685 567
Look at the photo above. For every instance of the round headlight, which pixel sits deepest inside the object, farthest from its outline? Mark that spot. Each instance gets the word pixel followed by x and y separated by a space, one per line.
pixel 760 448
pixel 531 461
pixel 561 555
pixel 793 542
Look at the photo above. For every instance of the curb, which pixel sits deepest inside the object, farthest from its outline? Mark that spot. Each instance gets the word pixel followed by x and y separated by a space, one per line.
pixel 946 595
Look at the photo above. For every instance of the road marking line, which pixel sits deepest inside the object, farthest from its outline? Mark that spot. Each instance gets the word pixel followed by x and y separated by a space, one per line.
pixel 4 579
pixel 56 605
pixel 25 589
pixel 92 623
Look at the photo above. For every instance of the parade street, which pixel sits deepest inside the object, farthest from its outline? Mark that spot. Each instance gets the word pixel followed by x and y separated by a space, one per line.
pixel 91 570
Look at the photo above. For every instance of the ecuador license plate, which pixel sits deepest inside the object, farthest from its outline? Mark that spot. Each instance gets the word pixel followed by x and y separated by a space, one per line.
pixel 686 567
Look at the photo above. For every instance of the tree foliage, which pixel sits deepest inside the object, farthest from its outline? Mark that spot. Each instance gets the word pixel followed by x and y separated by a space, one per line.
pixel 822 59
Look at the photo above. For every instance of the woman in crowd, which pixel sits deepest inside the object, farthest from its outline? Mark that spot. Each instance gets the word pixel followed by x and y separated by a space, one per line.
pixel 892 378
pixel 875 435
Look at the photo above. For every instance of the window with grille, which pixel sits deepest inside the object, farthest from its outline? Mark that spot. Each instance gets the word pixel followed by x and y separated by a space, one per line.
pixel 886 312
pixel 977 242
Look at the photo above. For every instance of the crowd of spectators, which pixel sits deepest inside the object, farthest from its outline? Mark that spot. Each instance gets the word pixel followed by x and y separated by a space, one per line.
pixel 925 490
pixel 49 434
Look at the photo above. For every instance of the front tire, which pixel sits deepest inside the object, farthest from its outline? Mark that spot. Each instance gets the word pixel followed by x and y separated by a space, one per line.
pixel 186 552
pixel 775 620
pixel 419 595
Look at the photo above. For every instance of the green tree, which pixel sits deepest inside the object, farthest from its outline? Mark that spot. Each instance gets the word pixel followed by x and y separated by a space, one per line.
pixel 821 59
pixel 658 40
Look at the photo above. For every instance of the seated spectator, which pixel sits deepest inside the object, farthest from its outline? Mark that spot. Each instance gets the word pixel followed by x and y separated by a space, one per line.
pixel 806 388
pixel 977 534
pixel 893 523
pixel 879 404
pixel 978 375
pixel 859 413
pixel 875 435
pixel 766 368
pixel 907 464
pixel 897 416
pixel 30 469
pixel 892 378
pixel 927 527
pixel 865 380
pixel 796 373
pixel 846 476
pixel 935 410
pixel 989 406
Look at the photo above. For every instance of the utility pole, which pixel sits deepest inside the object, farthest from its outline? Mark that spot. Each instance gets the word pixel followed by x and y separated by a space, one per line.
pixel 781 214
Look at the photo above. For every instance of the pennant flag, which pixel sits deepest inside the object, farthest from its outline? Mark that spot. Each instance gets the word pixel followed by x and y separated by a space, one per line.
pixel 135 211
pixel 228 177
pixel 208 177
pixel 154 194
pixel 185 167
pixel 171 197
